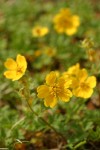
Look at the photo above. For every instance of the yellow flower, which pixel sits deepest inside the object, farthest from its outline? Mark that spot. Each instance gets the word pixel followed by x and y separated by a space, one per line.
pixel 72 74
pixel 84 85
pixel 16 69
pixel 65 22
pixel 55 88
pixel 39 31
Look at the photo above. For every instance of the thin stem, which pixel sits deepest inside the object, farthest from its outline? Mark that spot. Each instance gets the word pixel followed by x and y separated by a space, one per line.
pixel 43 120
pixel 79 144
pixel 3 148
pixel 17 123
pixel 27 96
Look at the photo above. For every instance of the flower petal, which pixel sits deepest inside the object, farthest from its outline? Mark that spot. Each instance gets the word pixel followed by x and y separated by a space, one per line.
pixel 10 74
pixel 88 93
pixel 45 31
pixel 75 82
pixel 91 81
pixel 10 64
pixel 79 92
pixel 74 69
pixel 65 11
pixel 71 31
pixel 18 76
pixel 64 81
pixel 51 78
pixel 43 91
pixel 50 101
pixel 65 95
pixel 21 62
pixel 82 75
pixel 76 20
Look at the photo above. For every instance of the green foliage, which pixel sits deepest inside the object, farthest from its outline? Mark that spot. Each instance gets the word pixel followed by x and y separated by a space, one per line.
pixel 75 120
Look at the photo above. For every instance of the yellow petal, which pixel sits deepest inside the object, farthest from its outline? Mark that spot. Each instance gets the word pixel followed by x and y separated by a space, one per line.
pixel 43 91
pixel 65 95
pixel 76 20
pixel 10 64
pixel 61 81
pixel 82 76
pixel 65 11
pixel 21 62
pixel 51 78
pixel 71 31
pixel 88 93
pixel 50 101
pixel 74 69
pixel 10 74
pixel 64 81
pixel 18 76
pixel 57 18
pixel 45 31
pixel 79 92
pixel 75 82
pixel 91 81
pixel 59 28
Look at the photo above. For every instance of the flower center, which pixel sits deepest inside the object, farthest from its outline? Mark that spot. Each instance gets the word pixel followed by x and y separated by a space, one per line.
pixel 38 31
pixel 66 22
pixel 84 86
pixel 19 70
pixel 55 89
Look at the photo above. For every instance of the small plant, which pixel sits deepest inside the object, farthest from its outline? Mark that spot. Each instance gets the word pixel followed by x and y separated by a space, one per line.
pixel 50 75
